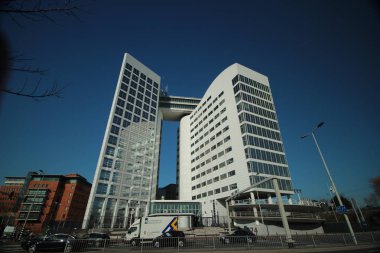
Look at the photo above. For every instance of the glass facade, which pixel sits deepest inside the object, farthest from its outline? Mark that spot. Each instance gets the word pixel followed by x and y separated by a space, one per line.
pixel 263 146
pixel 167 207
pixel 126 178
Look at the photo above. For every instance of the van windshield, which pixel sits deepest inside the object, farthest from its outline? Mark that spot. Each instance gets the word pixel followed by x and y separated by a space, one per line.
pixel 132 229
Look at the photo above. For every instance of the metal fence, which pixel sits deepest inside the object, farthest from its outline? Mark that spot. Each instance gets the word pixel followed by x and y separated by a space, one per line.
pixel 205 243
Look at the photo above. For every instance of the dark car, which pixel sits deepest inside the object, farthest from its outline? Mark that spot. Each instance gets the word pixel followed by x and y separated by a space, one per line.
pixel 97 239
pixel 238 236
pixel 170 239
pixel 55 242
pixel 28 241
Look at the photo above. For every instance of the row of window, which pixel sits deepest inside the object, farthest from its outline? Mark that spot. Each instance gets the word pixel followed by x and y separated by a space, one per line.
pixel 226 128
pixel 135 179
pixel 245 116
pixel 214 156
pixel 251 82
pixel 128 68
pixel 200 107
pixel 207 142
pixel 283 184
pixel 226 139
pixel 252 129
pixel 122 191
pixel 212 128
pixel 215 168
pixel 256 110
pixel 214 180
pixel 180 100
pixel 269 169
pixel 147 89
pixel 210 122
pixel 136 163
pixel 267 102
pixel 249 140
pixel 264 155
pixel 207 116
pixel 215 191
pixel 177 106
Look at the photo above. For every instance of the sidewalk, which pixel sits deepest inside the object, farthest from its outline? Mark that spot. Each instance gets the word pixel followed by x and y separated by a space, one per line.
pixel 372 248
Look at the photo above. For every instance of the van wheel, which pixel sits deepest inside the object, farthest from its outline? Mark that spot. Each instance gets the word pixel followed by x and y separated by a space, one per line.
pixel 134 243
pixel 180 244
pixel 227 241
pixel 157 244
pixel 32 249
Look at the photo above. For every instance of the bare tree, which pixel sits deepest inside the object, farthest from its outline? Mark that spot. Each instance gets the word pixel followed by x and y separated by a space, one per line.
pixel 373 199
pixel 31 11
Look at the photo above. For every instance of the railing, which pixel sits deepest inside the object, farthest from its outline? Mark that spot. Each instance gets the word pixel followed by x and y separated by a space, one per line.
pixel 204 243
pixel 302 202
pixel 274 214
pixel 197 243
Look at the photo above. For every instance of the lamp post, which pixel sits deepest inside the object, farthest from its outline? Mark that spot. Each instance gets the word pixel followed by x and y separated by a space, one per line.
pixel 331 180
pixel 31 205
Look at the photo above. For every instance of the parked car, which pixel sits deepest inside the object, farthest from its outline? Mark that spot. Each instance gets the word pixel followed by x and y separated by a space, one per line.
pixel 55 242
pixel 97 239
pixel 238 236
pixel 170 239
pixel 29 241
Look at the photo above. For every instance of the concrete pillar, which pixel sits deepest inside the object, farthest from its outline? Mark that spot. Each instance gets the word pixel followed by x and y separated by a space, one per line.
pixel 114 215
pixel 103 213
pixel 284 219
pixel 253 201
pixel 270 200
pixel 125 222
pixel 290 201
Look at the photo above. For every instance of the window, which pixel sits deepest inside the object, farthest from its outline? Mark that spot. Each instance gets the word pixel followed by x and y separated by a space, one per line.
pixel 107 162
pixel 112 139
pixel 119 111
pixel 224 188
pixel 115 129
pixel 110 151
pixel 116 120
pixel 231 173
pixel 104 175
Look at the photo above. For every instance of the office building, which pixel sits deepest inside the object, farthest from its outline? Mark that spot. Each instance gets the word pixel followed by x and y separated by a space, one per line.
pixel 53 202
pixel 227 141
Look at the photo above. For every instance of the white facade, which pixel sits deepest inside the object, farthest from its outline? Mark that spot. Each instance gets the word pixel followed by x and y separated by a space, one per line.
pixel 225 139
pixel 221 159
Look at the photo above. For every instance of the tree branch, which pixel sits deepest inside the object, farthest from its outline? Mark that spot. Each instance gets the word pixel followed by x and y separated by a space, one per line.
pixel 54 91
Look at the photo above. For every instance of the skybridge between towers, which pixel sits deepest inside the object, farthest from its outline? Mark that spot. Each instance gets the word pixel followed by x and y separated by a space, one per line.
pixel 173 108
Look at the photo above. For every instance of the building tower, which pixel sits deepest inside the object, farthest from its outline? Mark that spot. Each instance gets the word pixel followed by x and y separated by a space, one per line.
pixel 230 141
pixel 127 169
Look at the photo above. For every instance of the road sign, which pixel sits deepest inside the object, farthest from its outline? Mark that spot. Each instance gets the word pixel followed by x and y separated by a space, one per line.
pixel 341 209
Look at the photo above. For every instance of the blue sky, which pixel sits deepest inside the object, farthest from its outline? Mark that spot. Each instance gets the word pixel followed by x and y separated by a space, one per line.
pixel 321 58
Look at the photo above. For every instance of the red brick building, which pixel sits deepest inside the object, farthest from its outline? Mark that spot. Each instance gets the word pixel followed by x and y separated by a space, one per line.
pixel 9 196
pixel 53 202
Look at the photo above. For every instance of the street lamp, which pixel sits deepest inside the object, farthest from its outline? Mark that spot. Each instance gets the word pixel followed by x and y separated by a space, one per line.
pixel 331 180
pixel 31 205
